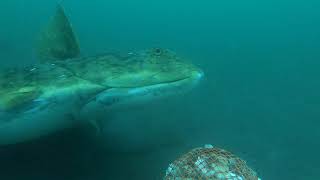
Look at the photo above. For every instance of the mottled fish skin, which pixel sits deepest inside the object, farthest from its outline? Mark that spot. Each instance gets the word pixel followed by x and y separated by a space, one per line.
pixel 48 97
pixel 84 76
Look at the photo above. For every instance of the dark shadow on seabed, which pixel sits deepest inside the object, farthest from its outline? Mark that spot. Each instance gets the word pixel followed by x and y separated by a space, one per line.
pixel 70 155
pixel 80 154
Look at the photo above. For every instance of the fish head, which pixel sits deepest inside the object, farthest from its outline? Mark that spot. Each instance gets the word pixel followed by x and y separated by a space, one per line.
pixel 145 75
pixel 154 67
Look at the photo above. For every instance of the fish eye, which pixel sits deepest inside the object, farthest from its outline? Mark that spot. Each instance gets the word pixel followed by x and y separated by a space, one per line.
pixel 158 51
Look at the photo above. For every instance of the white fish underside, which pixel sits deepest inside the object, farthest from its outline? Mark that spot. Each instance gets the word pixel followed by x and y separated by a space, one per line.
pixel 67 110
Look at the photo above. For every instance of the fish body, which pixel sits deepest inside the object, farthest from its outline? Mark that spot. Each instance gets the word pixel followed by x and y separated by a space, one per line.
pixel 64 89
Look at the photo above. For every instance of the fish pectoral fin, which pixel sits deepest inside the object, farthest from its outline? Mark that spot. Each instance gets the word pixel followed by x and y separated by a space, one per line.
pixel 58 41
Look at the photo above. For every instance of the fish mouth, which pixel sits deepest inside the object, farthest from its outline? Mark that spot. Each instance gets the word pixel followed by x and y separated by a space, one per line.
pixel 144 94
pixel 194 77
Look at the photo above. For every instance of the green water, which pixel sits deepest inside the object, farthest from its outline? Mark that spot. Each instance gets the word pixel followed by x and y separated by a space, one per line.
pixel 260 97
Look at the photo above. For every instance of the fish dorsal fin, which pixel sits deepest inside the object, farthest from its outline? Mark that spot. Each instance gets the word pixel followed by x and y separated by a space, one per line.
pixel 58 41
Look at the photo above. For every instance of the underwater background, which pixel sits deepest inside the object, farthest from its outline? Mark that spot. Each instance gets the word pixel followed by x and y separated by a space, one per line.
pixel 260 97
